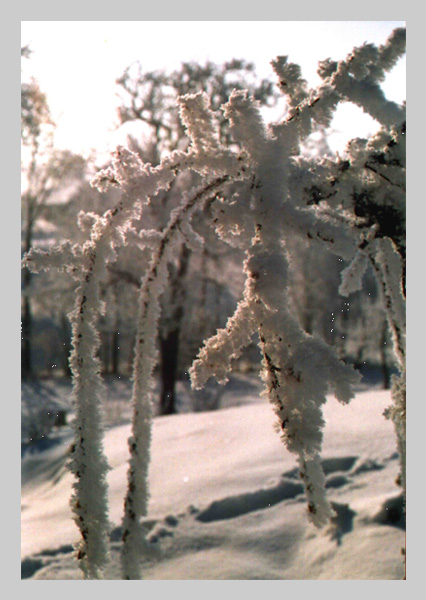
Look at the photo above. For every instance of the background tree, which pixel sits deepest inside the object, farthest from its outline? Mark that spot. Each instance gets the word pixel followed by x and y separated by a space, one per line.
pixel 35 113
pixel 51 180
pixel 35 119
pixel 54 177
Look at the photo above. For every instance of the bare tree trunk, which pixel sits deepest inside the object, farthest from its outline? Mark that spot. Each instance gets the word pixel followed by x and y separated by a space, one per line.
pixel 66 344
pixel 115 337
pixel 383 356
pixel 27 331
pixel 27 315
pixel 115 351
pixel 105 349
pixel 169 352
pixel 169 343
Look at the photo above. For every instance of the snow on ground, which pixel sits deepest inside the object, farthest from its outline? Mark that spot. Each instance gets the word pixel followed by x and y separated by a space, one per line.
pixel 226 500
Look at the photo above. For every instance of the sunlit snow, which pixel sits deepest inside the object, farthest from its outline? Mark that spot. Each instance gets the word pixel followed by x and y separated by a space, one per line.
pixel 226 500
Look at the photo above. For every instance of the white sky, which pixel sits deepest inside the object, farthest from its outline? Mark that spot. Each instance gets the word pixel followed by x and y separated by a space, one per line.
pixel 77 62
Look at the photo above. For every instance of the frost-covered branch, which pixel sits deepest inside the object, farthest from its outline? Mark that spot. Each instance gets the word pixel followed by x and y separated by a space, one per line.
pixel 216 356
pixel 358 78
pixel 298 369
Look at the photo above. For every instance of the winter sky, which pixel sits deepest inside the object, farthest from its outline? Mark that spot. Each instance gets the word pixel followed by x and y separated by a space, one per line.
pixel 78 62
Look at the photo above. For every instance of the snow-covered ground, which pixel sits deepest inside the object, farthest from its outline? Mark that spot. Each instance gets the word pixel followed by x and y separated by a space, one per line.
pixel 226 500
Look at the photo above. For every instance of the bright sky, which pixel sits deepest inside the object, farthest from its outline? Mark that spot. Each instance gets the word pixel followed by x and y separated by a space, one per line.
pixel 78 62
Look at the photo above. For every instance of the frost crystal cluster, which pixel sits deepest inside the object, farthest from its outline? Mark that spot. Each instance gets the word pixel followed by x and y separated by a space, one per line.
pixel 260 194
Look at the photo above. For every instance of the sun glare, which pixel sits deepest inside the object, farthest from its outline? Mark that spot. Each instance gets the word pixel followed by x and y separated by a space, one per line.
pixel 77 64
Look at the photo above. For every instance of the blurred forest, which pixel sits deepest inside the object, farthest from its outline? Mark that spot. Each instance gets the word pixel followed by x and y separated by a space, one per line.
pixel 205 286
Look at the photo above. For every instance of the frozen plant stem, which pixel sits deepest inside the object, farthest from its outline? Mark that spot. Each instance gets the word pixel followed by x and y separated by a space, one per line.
pixel 88 463
pixel 155 280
